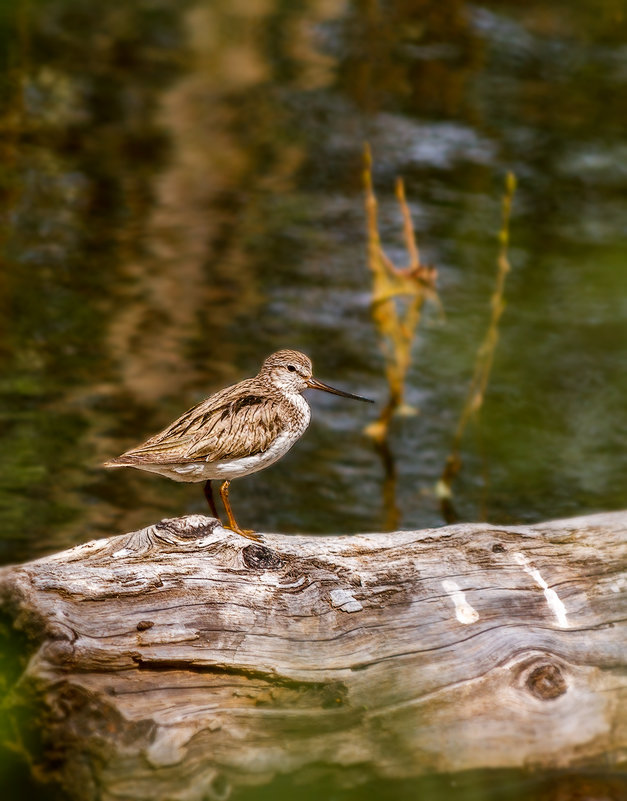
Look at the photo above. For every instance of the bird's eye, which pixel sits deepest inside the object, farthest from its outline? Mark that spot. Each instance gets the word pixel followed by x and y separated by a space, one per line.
pixel 291 368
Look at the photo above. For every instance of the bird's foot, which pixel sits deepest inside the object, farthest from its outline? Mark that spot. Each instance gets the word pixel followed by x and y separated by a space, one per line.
pixel 246 532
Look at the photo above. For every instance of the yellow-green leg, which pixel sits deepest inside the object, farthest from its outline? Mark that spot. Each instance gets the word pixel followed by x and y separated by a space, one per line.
pixel 224 494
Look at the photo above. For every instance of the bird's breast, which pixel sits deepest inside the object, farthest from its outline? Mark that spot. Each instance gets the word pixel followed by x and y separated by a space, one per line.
pixel 299 414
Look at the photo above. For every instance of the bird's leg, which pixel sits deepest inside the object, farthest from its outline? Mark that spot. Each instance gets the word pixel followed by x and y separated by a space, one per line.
pixel 224 494
pixel 210 501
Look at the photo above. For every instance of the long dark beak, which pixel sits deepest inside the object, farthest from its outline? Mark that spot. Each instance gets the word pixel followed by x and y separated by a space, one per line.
pixel 315 384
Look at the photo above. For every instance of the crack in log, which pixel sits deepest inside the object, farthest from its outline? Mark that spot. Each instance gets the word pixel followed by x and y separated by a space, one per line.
pixel 269 677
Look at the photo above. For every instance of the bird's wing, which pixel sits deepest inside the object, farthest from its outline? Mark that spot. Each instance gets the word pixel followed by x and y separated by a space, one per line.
pixel 220 428
pixel 242 427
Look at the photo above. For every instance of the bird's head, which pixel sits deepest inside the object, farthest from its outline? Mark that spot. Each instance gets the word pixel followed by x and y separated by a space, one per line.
pixel 287 370
pixel 291 371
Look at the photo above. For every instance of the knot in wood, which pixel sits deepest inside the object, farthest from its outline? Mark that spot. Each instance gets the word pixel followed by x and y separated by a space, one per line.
pixel 260 557
pixel 546 682
pixel 191 527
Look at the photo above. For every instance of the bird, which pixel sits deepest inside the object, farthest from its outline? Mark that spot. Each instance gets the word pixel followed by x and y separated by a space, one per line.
pixel 239 430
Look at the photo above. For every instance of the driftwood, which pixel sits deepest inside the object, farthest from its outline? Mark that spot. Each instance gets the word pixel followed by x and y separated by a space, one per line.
pixel 180 660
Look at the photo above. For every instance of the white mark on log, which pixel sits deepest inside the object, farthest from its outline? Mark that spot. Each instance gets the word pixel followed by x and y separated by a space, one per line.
pixel 344 599
pixel 553 600
pixel 168 747
pixel 166 635
pixel 122 552
pixel 297 583
pixel 464 612
pixel 274 581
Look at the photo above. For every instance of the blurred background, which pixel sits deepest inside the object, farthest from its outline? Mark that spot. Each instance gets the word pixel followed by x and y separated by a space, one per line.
pixel 181 194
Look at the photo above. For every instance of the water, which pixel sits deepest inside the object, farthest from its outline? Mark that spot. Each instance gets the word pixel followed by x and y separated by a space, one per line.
pixel 181 195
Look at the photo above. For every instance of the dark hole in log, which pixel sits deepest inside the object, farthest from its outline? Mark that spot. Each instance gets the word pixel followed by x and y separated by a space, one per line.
pixel 144 624
pixel 498 548
pixel 546 682
pixel 220 788
pixel 258 556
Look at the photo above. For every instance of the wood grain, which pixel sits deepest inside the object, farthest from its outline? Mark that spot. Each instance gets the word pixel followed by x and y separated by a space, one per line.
pixel 178 661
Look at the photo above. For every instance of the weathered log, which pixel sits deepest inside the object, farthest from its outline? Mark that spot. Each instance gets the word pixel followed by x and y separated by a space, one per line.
pixel 179 660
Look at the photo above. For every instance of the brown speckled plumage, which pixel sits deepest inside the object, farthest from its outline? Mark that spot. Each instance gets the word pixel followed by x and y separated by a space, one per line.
pixel 233 423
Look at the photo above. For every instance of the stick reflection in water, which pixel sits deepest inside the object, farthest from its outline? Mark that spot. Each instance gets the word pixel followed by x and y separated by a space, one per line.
pixel 483 362
pixel 398 295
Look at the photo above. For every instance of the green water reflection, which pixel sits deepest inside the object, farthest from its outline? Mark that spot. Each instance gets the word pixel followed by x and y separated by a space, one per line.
pixel 181 195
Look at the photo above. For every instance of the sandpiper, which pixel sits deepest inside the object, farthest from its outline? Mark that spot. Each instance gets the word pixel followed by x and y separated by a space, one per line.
pixel 237 431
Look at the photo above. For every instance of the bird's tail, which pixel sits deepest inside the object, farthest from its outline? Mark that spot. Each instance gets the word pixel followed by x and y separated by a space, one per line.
pixel 119 461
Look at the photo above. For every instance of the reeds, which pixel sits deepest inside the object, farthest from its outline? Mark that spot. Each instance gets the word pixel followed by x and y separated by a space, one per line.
pixel 485 355
pixel 398 294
